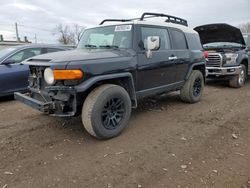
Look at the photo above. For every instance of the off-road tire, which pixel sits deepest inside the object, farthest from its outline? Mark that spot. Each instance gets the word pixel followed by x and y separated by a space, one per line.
pixel 188 93
pixel 239 80
pixel 97 103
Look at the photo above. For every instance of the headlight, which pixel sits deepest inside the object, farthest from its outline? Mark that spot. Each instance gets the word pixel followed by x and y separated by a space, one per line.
pixel 49 76
pixel 231 58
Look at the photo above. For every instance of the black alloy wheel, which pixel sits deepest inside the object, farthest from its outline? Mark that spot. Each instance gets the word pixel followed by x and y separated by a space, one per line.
pixel 197 87
pixel 113 113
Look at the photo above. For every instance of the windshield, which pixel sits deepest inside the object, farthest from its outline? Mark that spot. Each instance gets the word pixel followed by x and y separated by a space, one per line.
pixel 119 36
pixel 222 45
pixel 6 51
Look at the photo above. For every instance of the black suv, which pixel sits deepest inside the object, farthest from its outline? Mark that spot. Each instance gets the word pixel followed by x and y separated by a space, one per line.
pixel 114 66
pixel 226 52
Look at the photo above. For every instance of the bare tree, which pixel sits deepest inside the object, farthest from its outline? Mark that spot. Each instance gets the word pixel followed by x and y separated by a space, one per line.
pixel 245 27
pixel 68 34
pixel 78 30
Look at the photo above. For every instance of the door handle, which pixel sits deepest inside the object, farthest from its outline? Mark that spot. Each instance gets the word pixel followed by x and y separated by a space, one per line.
pixel 172 58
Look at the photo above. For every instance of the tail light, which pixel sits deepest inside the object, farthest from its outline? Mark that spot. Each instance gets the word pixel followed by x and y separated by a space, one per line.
pixel 205 53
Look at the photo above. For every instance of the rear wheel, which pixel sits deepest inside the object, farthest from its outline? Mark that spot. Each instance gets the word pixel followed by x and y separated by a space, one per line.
pixel 239 80
pixel 106 111
pixel 192 90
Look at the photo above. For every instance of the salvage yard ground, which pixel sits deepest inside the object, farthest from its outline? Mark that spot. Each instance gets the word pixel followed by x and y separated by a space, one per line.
pixel 167 144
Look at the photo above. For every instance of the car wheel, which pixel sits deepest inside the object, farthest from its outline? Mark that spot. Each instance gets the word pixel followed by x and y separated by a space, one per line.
pixel 192 90
pixel 239 80
pixel 106 111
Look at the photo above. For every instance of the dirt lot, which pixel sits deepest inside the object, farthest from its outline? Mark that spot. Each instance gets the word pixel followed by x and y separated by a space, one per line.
pixel 167 144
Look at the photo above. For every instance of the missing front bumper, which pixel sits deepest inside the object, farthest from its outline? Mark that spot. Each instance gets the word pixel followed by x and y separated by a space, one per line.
pixel 44 107
pixel 53 108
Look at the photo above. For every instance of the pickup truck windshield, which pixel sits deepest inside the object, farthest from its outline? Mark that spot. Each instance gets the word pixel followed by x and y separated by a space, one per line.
pixel 119 36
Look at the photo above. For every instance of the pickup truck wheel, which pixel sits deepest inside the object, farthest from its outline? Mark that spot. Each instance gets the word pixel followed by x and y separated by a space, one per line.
pixel 239 80
pixel 106 111
pixel 192 90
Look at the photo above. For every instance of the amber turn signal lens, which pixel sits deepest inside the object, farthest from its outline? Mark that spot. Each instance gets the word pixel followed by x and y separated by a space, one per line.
pixel 68 74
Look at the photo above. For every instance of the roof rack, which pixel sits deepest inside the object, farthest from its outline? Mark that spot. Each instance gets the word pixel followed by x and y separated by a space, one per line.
pixel 115 20
pixel 171 19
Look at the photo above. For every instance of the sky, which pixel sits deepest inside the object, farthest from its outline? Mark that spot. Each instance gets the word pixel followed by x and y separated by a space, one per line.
pixel 40 17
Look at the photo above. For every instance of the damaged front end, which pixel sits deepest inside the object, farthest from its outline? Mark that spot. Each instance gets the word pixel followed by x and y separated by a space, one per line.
pixel 56 100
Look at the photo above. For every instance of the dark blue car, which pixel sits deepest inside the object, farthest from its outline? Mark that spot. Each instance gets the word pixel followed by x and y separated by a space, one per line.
pixel 13 74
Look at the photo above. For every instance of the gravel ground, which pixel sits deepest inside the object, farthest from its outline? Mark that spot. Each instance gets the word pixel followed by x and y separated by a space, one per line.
pixel 167 144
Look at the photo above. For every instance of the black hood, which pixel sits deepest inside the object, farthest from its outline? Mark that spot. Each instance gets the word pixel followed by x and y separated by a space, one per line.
pixel 79 55
pixel 219 33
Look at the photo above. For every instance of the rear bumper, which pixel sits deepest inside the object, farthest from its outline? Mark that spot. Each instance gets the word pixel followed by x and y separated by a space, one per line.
pixel 41 106
pixel 223 71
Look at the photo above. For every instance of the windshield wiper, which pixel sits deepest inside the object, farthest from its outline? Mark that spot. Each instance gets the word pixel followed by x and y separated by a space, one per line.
pixel 109 46
pixel 90 46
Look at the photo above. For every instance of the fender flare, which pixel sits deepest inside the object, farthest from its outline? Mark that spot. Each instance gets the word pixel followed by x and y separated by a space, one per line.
pixel 192 67
pixel 91 81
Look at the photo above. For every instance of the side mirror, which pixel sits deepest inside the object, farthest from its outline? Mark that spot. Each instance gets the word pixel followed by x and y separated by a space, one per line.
pixel 152 44
pixel 8 62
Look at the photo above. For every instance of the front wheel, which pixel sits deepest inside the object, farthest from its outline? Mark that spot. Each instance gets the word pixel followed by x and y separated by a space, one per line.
pixel 106 111
pixel 239 80
pixel 192 90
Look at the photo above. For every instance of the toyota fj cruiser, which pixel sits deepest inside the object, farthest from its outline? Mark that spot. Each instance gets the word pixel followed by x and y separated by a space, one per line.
pixel 226 52
pixel 114 66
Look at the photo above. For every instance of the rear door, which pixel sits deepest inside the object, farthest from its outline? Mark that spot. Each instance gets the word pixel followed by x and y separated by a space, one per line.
pixel 14 77
pixel 157 71
pixel 181 53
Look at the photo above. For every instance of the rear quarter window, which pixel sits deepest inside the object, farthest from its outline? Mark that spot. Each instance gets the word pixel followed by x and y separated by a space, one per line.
pixel 194 42
pixel 178 40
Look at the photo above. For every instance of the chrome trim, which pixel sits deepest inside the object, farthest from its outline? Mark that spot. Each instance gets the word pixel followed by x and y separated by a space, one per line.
pixel 221 71
pixel 172 58
pixel 214 59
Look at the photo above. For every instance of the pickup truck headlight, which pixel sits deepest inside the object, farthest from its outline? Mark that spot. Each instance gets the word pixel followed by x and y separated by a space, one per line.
pixel 231 58
pixel 49 76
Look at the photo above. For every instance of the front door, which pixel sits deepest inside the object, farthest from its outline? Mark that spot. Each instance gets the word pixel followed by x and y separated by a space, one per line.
pixel 157 71
pixel 13 77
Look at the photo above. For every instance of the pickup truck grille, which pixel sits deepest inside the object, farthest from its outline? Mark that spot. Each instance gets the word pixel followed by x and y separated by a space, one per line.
pixel 214 60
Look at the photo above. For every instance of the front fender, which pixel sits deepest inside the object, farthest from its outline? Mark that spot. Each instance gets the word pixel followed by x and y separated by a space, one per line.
pixel 84 86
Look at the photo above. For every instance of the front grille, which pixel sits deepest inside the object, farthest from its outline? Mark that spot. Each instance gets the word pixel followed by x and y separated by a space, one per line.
pixel 214 60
